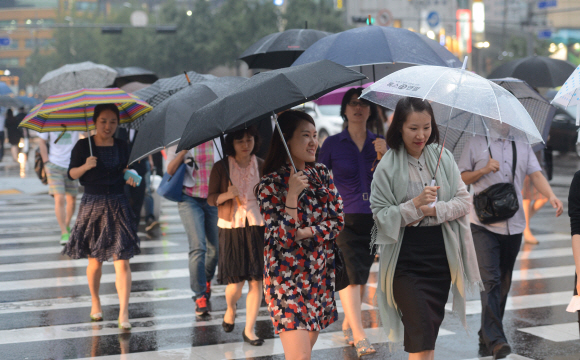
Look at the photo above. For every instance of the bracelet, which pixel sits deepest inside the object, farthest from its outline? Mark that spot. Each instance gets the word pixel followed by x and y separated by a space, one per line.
pixel 288 207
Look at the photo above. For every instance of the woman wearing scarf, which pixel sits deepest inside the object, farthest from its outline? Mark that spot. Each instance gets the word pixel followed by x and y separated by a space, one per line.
pixel 424 250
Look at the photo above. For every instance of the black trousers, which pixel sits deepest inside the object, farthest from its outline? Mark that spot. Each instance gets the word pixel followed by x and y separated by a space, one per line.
pixel 1 145
pixel 496 256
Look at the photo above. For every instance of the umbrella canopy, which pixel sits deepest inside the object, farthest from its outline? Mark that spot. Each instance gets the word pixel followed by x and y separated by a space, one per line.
pixel 5 89
pixel 377 51
pixel 9 101
pixel 537 71
pixel 539 109
pixel 29 101
pixel 280 49
pixel 164 88
pixel 73 77
pixel 164 125
pixel 134 86
pixel 73 111
pixel 130 74
pixel 461 100
pixel 569 94
pixel 263 95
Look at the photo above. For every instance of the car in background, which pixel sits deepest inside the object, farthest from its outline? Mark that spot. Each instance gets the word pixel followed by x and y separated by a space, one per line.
pixel 564 132
pixel 327 118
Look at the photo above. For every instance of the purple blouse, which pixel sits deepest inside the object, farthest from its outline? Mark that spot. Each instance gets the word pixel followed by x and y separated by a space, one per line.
pixel 351 169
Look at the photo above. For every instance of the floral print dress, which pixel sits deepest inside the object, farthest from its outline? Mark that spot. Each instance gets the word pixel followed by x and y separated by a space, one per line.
pixel 299 274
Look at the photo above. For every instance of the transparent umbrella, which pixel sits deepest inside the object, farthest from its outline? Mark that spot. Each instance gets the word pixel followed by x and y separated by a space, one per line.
pixel 462 101
pixel 569 94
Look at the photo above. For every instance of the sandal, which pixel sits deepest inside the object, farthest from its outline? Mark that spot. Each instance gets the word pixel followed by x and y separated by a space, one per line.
pixel 348 337
pixel 97 316
pixel 364 347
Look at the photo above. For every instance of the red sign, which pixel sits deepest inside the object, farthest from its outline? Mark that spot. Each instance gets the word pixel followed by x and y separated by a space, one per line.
pixel 463 31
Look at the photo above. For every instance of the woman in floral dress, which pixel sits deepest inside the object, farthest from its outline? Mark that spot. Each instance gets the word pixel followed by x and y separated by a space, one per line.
pixel 303 214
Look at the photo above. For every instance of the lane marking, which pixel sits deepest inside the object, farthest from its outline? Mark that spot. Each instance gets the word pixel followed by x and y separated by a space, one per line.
pixel 58 249
pixel 522 302
pixel 555 332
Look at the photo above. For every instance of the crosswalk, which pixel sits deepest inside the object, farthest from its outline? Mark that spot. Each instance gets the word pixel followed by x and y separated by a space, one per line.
pixel 44 302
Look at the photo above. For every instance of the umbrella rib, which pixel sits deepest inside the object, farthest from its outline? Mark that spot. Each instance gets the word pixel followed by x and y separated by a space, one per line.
pixel 495 99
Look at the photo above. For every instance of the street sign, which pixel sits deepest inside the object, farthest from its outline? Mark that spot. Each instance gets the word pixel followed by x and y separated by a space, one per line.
pixel 545 4
pixel 433 19
pixel 544 34
pixel 385 17
pixel 5 41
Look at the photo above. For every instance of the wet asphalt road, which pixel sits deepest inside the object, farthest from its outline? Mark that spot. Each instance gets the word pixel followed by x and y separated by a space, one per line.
pixel 45 301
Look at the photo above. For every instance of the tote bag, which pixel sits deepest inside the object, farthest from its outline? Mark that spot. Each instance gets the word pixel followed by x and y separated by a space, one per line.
pixel 171 187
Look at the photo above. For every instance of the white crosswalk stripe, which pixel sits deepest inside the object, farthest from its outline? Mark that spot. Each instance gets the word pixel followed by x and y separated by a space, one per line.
pixel 35 222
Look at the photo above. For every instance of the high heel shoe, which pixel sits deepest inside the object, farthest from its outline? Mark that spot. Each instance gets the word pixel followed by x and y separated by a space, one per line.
pixel 364 347
pixel 257 342
pixel 348 336
pixel 97 316
pixel 228 327
pixel 125 326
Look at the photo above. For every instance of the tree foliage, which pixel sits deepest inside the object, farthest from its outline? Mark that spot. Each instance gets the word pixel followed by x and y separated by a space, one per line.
pixel 210 37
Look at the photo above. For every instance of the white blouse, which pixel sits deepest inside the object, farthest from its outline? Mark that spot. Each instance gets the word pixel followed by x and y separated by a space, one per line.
pixel 419 178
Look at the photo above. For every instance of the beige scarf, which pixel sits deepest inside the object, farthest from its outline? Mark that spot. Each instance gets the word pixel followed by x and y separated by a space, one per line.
pixel 388 191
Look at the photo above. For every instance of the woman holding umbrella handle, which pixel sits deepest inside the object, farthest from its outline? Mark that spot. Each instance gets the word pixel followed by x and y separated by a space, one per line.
pixel 300 236
pixel 104 228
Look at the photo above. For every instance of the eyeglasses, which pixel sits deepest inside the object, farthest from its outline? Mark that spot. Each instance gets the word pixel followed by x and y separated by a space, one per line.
pixel 355 103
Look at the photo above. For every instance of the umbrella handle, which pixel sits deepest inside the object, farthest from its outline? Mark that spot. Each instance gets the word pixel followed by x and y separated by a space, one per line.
pixel 284 142
pixel 434 202
pixel 238 201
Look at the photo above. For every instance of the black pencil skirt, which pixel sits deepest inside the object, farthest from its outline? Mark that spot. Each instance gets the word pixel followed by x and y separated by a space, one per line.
pixel 355 243
pixel 421 286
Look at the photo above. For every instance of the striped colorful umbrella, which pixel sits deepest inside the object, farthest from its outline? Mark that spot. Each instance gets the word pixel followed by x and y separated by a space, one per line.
pixel 73 111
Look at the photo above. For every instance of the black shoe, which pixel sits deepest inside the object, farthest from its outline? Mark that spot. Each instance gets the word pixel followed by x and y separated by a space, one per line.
pixel 201 306
pixel 257 342
pixel 500 351
pixel 228 327
pixel 151 224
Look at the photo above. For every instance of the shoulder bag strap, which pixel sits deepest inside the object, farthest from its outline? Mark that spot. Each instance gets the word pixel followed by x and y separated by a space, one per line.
pixel 514 161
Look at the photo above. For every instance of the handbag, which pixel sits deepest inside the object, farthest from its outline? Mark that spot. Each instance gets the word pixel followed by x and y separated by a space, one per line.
pixel 498 202
pixel 340 275
pixel 171 186
pixel 39 167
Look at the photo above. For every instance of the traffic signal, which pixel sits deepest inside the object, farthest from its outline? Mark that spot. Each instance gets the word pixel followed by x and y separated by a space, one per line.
pixel 363 19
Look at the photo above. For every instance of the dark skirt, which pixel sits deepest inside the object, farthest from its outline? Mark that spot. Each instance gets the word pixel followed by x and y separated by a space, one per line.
pixel 104 229
pixel 241 254
pixel 421 286
pixel 354 242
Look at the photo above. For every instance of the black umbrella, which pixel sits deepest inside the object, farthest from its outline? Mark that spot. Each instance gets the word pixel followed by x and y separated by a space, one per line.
pixel 164 125
pixel 133 73
pixel 9 101
pixel 262 96
pixel 377 51
pixel 280 50
pixel 164 88
pixel 537 71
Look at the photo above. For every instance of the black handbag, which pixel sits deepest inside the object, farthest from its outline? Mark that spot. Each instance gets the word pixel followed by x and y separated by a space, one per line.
pixel 340 275
pixel 498 202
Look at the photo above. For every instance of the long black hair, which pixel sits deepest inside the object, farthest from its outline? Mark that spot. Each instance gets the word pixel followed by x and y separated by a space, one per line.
pixel 406 106
pixel 374 123
pixel 289 121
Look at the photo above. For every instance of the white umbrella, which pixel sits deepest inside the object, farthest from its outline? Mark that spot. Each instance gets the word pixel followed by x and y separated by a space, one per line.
pixel 78 76
pixel 569 94
pixel 461 100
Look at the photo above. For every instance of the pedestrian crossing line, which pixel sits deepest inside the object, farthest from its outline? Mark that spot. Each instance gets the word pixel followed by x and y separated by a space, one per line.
pixel 29 230
pixel 50 219
pixel 241 350
pixel 61 264
pixel 532 274
pixel 553 237
pixel 523 275
pixel 157 323
pixel 57 249
pixel 56 237
pixel 509 357
pixel 522 302
pixel 556 332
